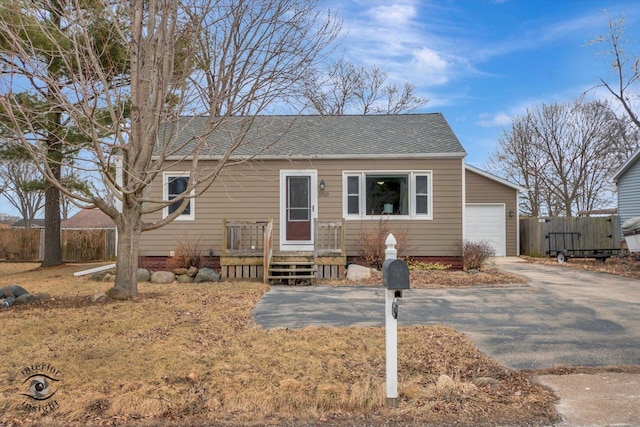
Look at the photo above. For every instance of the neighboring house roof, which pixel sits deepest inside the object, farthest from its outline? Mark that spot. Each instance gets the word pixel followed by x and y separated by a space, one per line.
pixel 88 218
pixel 373 136
pixel 589 212
pixel 626 166
pixel 35 223
pixel 493 177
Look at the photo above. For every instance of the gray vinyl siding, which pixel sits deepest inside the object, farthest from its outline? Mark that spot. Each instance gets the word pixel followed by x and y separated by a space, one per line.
pixel 629 193
pixel 251 192
pixel 480 189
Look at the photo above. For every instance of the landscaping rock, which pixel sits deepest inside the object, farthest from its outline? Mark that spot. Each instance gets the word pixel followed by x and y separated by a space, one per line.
pixel 109 277
pixel 12 291
pixel 143 275
pixel 192 271
pixel 9 295
pixel 206 275
pixel 357 272
pixel 184 278
pixel 180 271
pixel 16 294
pixel 25 299
pixel 444 382
pixel 99 297
pixel 100 275
pixel 162 277
pixel 7 302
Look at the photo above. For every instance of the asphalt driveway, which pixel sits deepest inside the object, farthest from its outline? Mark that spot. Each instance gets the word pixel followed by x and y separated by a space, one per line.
pixel 561 317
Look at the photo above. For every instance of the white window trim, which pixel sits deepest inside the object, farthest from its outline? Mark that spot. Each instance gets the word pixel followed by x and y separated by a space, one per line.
pixel 165 196
pixel 412 194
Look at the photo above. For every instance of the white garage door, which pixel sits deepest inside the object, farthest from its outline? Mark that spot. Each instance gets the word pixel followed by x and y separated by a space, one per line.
pixel 486 222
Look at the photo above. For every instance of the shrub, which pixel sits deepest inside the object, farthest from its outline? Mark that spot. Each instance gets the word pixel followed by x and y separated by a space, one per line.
pixel 186 254
pixel 475 254
pixel 416 265
pixel 83 245
pixel 372 239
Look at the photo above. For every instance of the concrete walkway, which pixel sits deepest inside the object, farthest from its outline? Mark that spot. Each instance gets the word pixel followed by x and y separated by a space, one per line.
pixel 562 317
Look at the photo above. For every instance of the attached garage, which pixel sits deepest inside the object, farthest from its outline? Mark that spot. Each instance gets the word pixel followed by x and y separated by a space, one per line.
pixel 487 223
pixel 491 211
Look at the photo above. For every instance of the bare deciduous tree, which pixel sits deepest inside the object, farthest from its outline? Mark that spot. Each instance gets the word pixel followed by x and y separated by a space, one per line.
pixel 23 187
pixel 219 62
pixel 563 154
pixel 37 83
pixel 343 88
pixel 626 70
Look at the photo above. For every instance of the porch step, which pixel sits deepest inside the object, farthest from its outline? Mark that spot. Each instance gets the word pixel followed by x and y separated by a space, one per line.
pixel 291 272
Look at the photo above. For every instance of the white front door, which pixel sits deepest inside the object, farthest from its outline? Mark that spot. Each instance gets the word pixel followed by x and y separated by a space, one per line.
pixel 298 209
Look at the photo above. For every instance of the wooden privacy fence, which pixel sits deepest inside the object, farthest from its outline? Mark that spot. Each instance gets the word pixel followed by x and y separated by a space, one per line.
pixel 77 245
pixel 20 244
pixel 89 245
pixel 595 232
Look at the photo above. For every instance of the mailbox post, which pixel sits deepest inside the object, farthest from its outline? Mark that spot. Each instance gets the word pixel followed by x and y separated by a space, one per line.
pixel 395 277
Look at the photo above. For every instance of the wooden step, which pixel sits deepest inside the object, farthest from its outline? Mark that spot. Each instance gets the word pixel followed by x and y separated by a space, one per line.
pixel 292 272
pixel 284 263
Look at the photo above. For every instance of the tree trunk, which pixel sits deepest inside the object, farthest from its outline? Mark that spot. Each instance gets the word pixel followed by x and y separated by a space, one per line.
pixel 129 231
pixel 52 244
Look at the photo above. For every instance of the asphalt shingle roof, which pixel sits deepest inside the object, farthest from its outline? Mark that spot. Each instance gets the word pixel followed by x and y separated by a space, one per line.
pixel 325 136
pixel 88 218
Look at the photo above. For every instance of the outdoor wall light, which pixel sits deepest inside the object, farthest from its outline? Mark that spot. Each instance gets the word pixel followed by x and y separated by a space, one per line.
pixel 322 185
pixel 511 214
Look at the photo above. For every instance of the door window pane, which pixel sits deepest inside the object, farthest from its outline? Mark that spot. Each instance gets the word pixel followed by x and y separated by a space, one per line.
pixel 298 198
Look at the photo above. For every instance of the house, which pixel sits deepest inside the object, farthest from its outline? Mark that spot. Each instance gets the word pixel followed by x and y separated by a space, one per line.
pixel 93 219
pixel 35 223
pixel 324 185
pixel 88 235
pixel 627 180
pixel 491 211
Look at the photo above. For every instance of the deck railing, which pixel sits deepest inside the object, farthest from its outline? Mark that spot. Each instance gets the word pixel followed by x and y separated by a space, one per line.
pixel 247 248
pixel 244 237
pixel 329 238
pixel 247 237
pixel 268 250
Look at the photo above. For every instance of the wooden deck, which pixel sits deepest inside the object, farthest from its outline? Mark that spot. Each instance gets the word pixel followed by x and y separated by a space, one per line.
pixel 248 253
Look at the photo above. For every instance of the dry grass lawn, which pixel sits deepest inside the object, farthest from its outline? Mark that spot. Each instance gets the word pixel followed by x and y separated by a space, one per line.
pixel 191 355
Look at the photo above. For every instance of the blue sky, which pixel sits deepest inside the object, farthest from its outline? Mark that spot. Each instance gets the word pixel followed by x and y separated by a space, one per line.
pixel 482 62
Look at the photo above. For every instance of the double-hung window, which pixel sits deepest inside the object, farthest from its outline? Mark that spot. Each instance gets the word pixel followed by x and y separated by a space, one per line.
pixel 400 194
pixel 175 184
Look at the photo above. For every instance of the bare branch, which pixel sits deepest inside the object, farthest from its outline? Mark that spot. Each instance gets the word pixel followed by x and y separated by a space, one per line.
pixel 133 87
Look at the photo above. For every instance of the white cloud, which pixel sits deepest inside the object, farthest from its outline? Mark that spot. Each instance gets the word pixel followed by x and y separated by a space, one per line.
pixel 431 67
pixel 396 14
pixel 500 119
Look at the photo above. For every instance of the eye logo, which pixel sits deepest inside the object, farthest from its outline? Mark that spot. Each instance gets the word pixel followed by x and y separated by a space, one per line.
pixel 40 387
